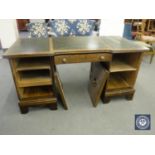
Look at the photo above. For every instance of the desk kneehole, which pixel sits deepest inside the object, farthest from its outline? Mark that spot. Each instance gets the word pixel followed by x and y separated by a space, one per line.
pixel 77 58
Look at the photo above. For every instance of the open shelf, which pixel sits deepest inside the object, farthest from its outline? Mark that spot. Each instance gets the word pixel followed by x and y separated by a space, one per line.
pixel 123 71
pixel 34 78
pixel 32 64
pixel 120 66
pixel 36 92
pixel 117 82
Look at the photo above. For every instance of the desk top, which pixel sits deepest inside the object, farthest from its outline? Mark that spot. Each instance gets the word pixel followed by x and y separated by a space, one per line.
pixel 27 47
pixel 66 45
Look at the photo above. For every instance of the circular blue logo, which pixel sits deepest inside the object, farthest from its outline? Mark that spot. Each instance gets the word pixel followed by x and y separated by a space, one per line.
pixel 142 122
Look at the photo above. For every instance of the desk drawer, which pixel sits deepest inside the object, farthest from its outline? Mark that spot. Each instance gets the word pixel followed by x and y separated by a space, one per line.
pixel 77 58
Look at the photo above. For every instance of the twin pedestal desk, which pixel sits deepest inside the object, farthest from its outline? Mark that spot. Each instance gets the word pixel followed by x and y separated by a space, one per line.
pixel 114 67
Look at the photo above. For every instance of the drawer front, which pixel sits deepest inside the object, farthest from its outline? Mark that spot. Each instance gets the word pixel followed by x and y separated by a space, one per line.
pixel 77 58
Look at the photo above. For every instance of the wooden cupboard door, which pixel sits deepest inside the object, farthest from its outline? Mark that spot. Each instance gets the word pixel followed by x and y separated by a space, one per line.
pixel 98 77
pixel 60 90
pixel 22 24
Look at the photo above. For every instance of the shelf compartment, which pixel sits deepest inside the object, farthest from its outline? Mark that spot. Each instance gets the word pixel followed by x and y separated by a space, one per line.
pixel 125 62
pixel 117 82
pixel 24 64
pixel 34 78
pixel 120 66
pixel 36 92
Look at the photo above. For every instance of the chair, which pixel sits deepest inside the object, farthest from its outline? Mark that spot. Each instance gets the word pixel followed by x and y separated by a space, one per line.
pixel 144 36
pixel 37 30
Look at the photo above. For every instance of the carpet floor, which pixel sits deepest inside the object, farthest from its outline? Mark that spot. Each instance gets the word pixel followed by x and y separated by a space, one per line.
pixel 117 117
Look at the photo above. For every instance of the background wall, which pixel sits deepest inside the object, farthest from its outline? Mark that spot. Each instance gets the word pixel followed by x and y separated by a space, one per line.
pixel 112 27
pixel 8 32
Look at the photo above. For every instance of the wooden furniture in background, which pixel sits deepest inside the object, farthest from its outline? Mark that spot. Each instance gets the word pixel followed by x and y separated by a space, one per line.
pixel 22 24
pixel 151 25
pixel 141 25
pixel 145 35
pixel 143 30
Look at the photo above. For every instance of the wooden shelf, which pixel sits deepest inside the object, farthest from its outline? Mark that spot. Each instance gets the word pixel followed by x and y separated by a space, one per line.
pixel 116 92
pixel 34 82
pixel 33 64
pixel 120 66
pixel 34 78
pixel 116 81
pixel 37 92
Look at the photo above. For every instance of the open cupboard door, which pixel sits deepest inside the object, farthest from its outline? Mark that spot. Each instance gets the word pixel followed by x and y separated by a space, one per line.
pixel 60 89
pixel 98 78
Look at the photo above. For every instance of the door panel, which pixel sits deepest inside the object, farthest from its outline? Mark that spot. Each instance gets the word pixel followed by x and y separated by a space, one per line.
pixel 98 77
pixel 59 87
pixel 22 24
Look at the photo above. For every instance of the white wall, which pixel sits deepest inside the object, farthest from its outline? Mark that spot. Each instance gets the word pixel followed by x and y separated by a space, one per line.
pixel 8 32
pixel 111 27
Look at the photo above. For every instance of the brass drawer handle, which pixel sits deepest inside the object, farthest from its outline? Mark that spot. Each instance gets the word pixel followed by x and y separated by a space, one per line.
pixel 64 60
pixel 102 57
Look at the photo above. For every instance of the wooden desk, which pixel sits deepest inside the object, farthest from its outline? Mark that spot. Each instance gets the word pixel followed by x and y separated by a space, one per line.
pixel 115 65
